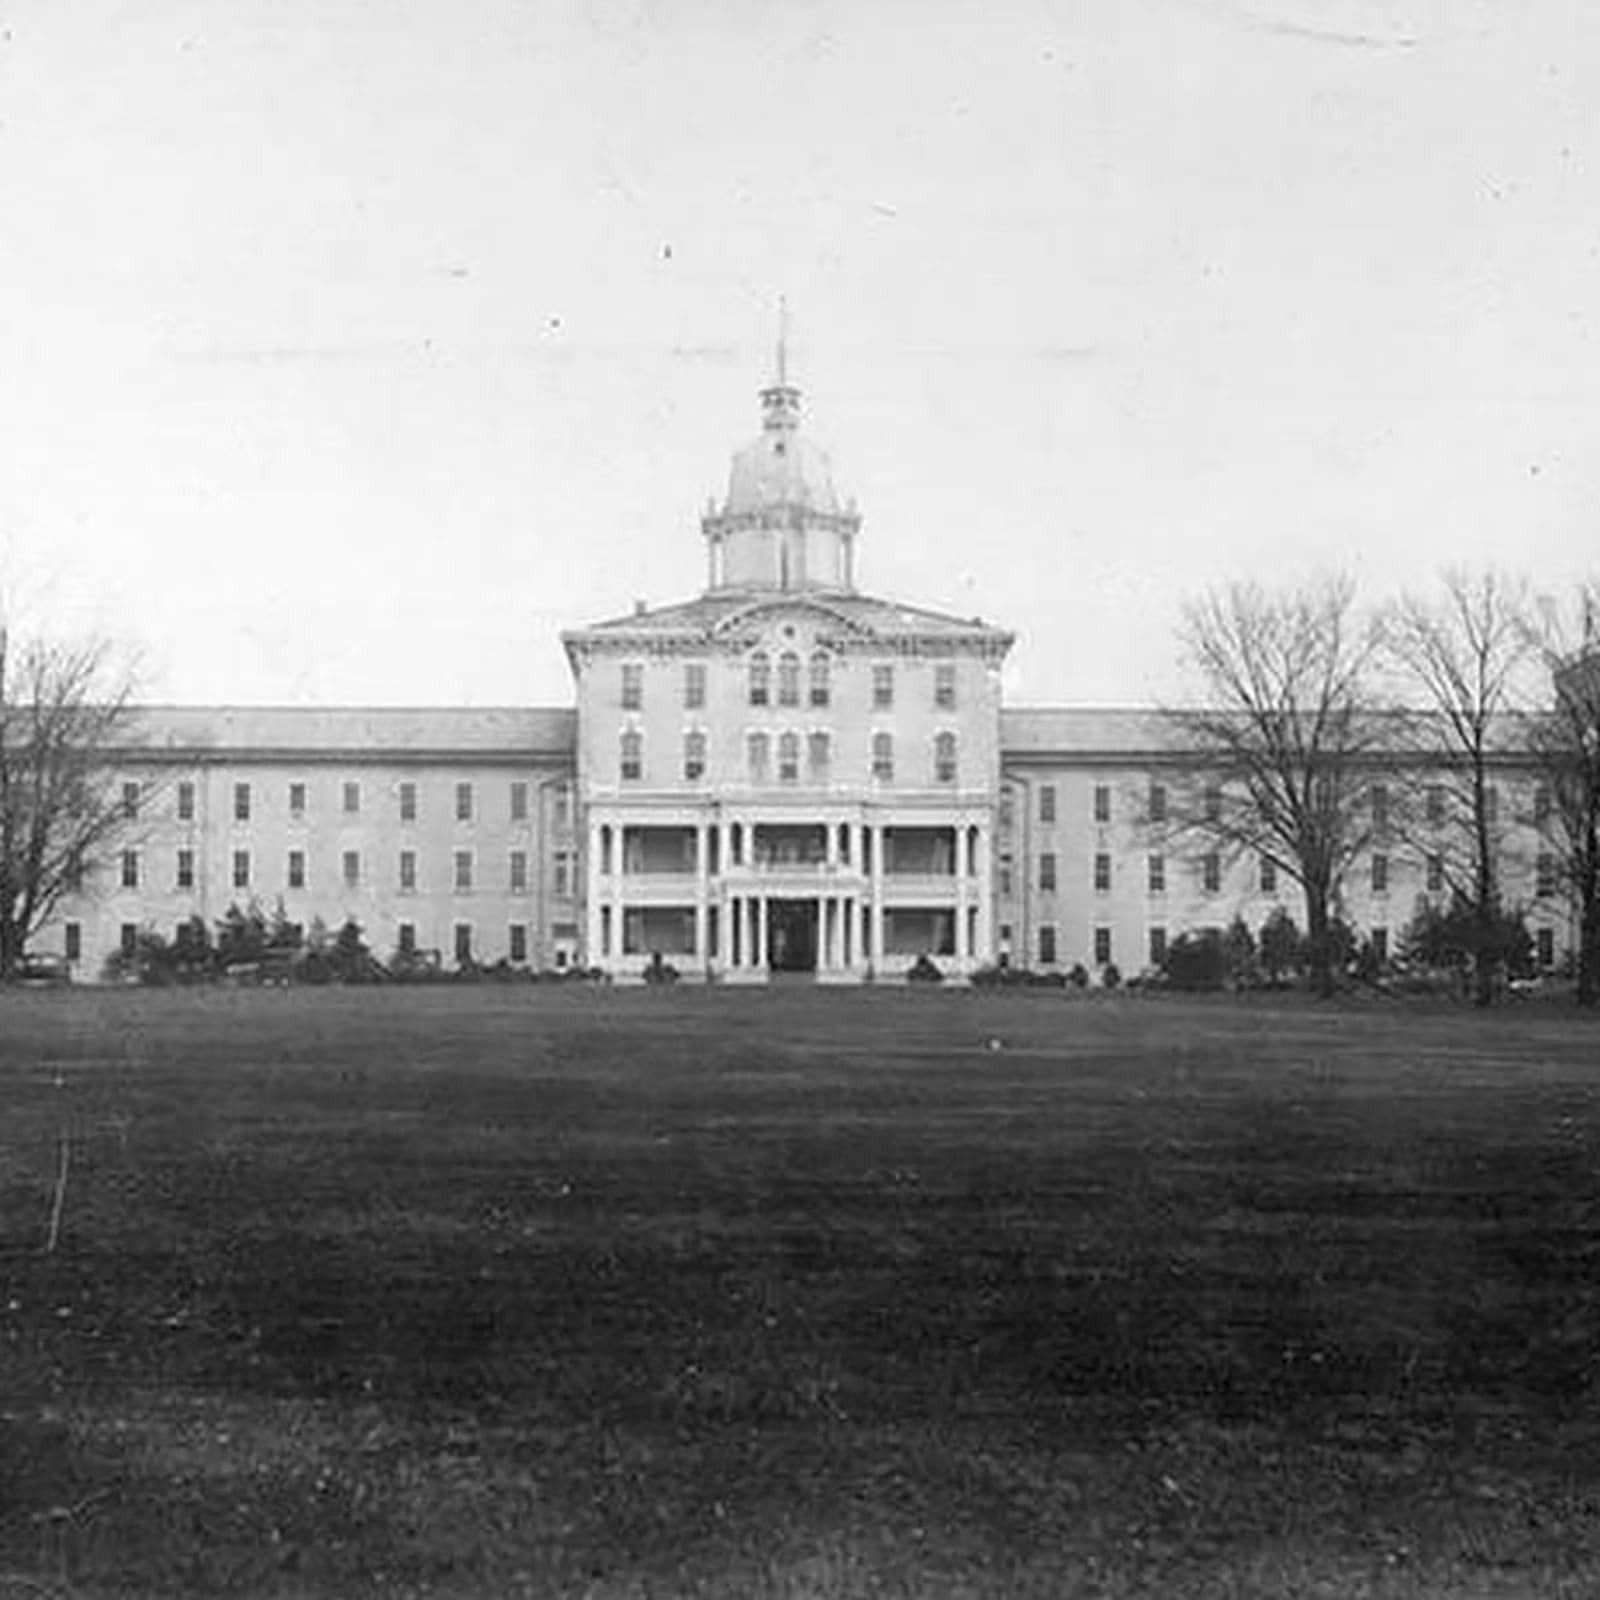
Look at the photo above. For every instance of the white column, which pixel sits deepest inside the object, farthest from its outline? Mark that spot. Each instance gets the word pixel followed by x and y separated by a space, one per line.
pixel 876 952
pixel 761 931
pixel 986 951
pixel 592 896
pixel 702 892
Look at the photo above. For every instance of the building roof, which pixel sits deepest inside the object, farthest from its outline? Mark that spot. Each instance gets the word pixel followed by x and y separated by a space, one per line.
pixel 1085 731
pixel 364 732
pixel 711 613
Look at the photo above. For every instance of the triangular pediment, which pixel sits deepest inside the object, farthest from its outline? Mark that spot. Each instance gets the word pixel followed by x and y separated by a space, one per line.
pixel 789 608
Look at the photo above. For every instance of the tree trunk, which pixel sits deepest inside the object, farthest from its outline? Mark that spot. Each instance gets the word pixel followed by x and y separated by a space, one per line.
pixel 1589 951
pixel 11 949
pixel 1319 955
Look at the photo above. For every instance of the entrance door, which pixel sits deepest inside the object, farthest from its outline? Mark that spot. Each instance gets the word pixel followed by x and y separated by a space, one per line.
pixel 792 935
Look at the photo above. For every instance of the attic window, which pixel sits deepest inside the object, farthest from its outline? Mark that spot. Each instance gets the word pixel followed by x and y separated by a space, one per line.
pixel 780 447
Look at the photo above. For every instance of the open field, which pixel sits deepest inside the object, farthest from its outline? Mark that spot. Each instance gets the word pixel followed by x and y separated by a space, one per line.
pixel 546 1292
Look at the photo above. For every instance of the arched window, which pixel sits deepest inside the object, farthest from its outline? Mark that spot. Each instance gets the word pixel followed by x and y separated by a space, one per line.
pixel 817 754
pixel 632 756
pixel 789 758
pixel 758 748
pixel 694 755
pixel 760 679
pixel 883 757
pixel 944 758
pixel 819 678
pixel 788 679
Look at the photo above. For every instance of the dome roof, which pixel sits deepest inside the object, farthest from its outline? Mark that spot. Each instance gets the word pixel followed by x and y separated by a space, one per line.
pixel 781 469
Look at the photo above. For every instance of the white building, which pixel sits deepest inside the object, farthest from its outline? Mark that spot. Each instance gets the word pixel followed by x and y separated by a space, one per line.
pixel 781 774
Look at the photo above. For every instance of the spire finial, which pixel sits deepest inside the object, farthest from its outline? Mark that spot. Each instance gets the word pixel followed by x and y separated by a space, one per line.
pixel 783 341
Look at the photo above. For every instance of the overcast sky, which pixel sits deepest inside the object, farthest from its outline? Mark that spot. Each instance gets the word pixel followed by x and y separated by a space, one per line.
pixel 350 349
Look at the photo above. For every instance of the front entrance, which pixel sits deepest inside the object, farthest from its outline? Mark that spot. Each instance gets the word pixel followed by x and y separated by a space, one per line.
pixel 792 935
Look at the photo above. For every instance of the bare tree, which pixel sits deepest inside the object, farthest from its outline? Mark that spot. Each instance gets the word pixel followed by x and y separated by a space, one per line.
pixel 1469 654
pixel 1566 746
pixel 64 713
pixel 1282 754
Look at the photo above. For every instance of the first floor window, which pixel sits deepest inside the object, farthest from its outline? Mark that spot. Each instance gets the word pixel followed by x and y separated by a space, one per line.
pixel 74 941
pixel 463 944
pixel 1102 946
pixel 408 870
pixel 128 938
pixel 1545 943
pixel 1158 946
pixel 186 869
pixel 1047 945
pixel 1047 872
pixel 1380 874
pixel 519 872
pixel 406 938
pixel 297 869
pixel 352 868
pixel 241 869
pixel 1380 944
pixel 519 942
pixel 463 878
pixel 1102 873
pixel 1211 873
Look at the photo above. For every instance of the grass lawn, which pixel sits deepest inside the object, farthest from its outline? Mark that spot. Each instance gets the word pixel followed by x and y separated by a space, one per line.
pixel 796 1294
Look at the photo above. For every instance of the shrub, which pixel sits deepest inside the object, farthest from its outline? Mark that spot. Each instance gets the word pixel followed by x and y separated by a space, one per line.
pixel 1110 975
pixel 1078 977
pixel 1196 962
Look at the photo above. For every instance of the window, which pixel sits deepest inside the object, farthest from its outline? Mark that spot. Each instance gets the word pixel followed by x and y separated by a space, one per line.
pixel 882 686
pixel 519 942
pixel 463 944
pixel 789 758
pixel 789 679
pixel 408 802
pixel 1102 947
pixel 819 753
pixel 1544 943
pixel 186 869
pixel 408 871
pixel 352 799
pixel 758 750
pixel 1380 808
pixel 74 941
pixel 241 869
pixel 1102 802
pixel 1434 803
pixel 297 800
pixel 241 802
pixel 463 802
pixel 820 674
pixel 519 800
pixel 1157 876
pixel 1211 803
pixel 883 757
pixel 1435 874
pixel 944 758
pixel 130 800
pixel 944 685
pixel 1380 945
pixel 563 805
pixel 1158 802
pixel 1102 873
pixel 186 802
pixel 1545 875
pixel 1047 945
pixel 1007 868
pixel 1380 874
pixel 563 874
pixel 632 756
pixel 1047 802
pixel 760 679
pixel 463 879
pixel 1158 947
pixel 1491 803
pixel 297 869
pixel 1269 875
pixel 1211 873
pixel 1047 872
pixel 406 938
pixel 632 686
pixel 1541 806
pixel 128 938
pixel 694 685
pixel 694 756
pixel 352 869
pixel 519 872
pixel 1008 809
pixel 130 869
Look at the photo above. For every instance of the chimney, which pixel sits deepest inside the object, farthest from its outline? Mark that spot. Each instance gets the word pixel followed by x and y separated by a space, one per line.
pixel 640 607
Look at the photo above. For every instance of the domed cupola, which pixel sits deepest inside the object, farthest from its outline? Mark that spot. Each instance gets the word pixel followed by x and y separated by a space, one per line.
pixel 782 525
